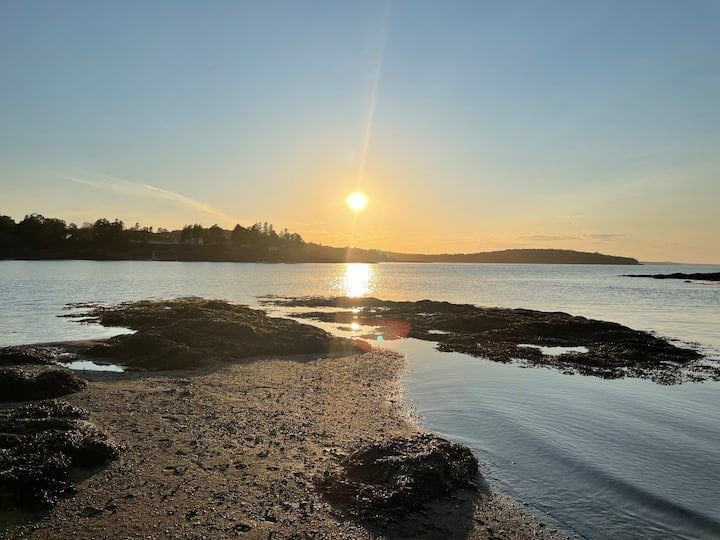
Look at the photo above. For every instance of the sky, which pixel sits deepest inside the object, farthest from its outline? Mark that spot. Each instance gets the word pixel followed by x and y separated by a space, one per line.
pixel 471 126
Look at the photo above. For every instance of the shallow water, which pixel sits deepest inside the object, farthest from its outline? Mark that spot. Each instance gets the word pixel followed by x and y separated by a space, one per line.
pixel 556 351
pixel 89 365
pixel 606 458
pixel 621 459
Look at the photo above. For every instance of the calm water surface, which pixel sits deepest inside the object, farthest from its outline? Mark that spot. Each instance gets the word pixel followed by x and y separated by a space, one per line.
pixel 622 459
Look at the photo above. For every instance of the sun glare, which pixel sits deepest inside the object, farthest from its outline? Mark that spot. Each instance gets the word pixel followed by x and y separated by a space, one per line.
pixel 357 201
pixel 357 280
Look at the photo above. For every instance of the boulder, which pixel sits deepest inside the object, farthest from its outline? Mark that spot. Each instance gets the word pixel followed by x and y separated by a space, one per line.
pixel 41 446
pixel 27 355
pixel 399 476
pixel 27 384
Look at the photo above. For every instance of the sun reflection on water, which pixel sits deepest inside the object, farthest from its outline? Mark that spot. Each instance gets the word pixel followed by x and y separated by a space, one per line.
pixel 357 280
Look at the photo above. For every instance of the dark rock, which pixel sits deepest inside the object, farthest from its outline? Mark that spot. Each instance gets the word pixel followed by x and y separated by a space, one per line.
pixel 191 332
pixel 701 276
pixel 40 447
pixel 27 355
pixel 500 334
pixel 148 349
pixel 399 476
pixel 26 384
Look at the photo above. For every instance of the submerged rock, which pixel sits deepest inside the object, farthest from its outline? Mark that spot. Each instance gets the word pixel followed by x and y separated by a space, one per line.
pixel 27 384
pixel 191 332
pixel 399 476
pixel 41 445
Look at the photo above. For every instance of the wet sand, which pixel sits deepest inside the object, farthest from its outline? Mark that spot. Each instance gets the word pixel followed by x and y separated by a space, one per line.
pixel 233 450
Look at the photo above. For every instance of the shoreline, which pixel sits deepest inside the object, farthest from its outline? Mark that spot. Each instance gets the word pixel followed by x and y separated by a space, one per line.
pixel 233 448
pixel 230 420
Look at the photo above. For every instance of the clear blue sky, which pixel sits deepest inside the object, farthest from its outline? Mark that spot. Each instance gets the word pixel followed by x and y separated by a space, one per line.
pixel 470 125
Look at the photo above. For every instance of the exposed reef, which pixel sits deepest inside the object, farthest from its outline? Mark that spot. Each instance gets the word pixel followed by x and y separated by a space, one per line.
pixel 706 276
pixel 399 476
pixel 505 335
pixel 189 333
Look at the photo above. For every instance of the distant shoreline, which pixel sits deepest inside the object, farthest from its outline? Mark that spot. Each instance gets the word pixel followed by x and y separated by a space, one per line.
pixel 424 259
pixel 698 276
pixel 39 238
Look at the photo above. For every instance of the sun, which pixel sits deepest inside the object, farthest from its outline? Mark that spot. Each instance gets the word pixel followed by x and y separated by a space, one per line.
pixel 357 201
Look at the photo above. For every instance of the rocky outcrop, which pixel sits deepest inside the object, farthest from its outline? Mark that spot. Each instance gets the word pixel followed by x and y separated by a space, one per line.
pixel 27 355
pixel 33 383
pixel 149 350
pixel 41 446
pixel 191 332
pixel 505 335
pixel 399 476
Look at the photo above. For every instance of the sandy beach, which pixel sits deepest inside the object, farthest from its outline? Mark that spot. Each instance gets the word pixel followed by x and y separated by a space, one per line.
pixel 234 450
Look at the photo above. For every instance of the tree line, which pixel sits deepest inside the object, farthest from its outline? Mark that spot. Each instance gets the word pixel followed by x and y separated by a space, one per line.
pixel 40 237
pixel 36 236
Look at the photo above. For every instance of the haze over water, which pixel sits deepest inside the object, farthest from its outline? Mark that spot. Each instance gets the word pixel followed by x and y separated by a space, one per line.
pixel 623 458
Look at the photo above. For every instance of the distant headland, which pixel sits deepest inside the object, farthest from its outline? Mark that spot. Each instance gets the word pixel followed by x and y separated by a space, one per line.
pixel 527 256
pixel 37 237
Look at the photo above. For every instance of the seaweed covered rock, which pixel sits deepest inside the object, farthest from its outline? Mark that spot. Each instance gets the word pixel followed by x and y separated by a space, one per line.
pixel 27 384
pixel 399 476
pixel 27 355
pixel 41 445
pixel 190 332
pixel 149 350
pixel 507 335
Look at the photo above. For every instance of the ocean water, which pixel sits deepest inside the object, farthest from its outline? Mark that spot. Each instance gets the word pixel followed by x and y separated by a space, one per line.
pixel 622 459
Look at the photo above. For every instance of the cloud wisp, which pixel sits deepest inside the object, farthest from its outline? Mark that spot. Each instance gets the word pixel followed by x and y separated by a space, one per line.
pixel 146 191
